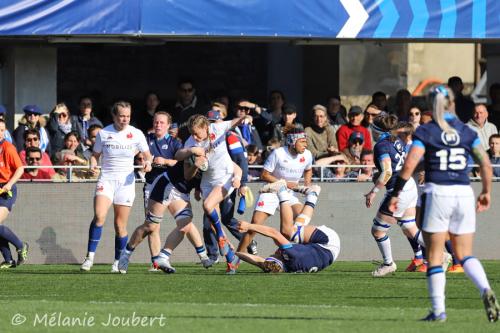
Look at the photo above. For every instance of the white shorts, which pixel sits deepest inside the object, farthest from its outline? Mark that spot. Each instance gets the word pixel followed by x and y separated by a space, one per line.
pixel 225 182
pixel 333 244
pixel 120 192
pixel 269 202
pixel 449 208
pixel 407 199
pixel 164 192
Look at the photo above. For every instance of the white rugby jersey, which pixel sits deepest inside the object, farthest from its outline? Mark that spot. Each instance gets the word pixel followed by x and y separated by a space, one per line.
pixel 282 165
pixel 118 149
pixel 219 161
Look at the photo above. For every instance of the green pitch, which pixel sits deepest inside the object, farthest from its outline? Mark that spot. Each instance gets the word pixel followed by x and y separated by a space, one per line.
pixel 344 298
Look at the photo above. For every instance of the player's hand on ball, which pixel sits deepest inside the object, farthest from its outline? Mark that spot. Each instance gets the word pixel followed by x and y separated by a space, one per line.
pixel 201 162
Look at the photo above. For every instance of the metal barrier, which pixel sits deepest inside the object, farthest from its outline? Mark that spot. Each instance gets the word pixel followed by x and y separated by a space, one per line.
pixel 321 178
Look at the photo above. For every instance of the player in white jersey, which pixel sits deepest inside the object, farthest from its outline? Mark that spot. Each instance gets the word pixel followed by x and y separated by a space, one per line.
pixel 289 163
pixel 116 145
pixel 220 175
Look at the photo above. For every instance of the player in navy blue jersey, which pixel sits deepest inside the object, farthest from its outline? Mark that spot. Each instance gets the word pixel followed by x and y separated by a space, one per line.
pixel 165 188
pixel 448 203
pixel 303 248
pixel 389 154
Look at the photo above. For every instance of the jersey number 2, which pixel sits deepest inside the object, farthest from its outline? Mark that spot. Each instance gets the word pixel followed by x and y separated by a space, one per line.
pixel 454 160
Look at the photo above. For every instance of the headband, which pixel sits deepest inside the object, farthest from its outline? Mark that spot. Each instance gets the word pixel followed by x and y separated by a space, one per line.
pixel 292 138
pixel 277 261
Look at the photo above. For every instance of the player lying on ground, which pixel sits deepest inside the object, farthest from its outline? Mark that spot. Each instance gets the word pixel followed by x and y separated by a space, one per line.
pixel 302 247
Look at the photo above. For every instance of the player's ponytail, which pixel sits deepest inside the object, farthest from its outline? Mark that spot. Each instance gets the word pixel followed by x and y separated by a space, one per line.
pixel 442 101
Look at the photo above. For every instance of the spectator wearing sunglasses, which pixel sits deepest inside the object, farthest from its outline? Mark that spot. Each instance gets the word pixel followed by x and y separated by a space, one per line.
pixel 355 116
pixel 60 124
pixel 34 158
pixel 415 116
pixel 32 120
pixel 370 113
pixel 32 139
pixel 247 131
pixel 288 121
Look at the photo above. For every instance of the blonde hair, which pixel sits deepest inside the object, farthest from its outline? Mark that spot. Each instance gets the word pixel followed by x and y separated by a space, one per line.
pixel 166 114
pixel 320 108
pixel 222 108
pixel 442 102
pixel 60 108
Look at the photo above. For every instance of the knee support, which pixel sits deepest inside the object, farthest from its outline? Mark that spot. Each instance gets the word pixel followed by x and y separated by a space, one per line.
pixel 152 218
pixel 183 214
pixel 407 222
pixel 380 225
pixel 302 219
pixel 298 233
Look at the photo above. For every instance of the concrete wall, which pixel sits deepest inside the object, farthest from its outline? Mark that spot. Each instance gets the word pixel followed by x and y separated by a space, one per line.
pixel 54 219
pixel 29 76
pixel 440 61
pixel 368 67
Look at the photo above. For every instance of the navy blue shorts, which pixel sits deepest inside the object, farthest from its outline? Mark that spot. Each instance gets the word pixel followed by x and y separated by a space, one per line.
pixel 8 201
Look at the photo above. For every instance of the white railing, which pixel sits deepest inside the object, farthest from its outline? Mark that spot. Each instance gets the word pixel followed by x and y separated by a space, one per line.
pixel 320 178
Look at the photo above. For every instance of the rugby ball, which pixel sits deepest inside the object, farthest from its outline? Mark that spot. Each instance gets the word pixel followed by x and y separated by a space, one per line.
pixel 202 165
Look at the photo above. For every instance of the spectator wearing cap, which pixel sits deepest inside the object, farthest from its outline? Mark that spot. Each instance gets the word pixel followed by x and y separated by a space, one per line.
pixel 33 159
pixel 7 135
pixel 356 141
pixel 59 125
pixel 288 121
pixel 31 139
pixel 464 106
pixel 480 124
pixel 247 131
pixel 32 120
pixel 321 139
pixel 355 116
pixel 85 119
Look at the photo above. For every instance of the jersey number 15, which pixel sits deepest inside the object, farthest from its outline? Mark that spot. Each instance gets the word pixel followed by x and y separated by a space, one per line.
pixel 454 159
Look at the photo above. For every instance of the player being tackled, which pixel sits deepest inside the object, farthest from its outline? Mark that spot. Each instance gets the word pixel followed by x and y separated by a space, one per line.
pixel 302 247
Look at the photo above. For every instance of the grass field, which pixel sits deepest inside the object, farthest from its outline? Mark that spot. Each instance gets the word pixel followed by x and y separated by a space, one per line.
pixel 343 298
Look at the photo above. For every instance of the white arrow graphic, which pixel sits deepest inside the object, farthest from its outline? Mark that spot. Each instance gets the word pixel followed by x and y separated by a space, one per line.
pixel 357 18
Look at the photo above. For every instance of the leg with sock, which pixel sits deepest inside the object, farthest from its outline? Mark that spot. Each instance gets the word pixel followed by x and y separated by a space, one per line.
pixel 456 266
pixel 379 232
pixel 436 282
pixel 7 255
pixel 95 233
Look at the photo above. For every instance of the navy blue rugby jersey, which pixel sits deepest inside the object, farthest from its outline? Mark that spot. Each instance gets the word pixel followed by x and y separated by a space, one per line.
pixel 446 154
pixel 166 147
pixel 307 258
pixel 390 147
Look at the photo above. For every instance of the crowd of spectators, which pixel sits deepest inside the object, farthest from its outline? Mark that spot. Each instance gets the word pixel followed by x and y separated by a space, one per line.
pixel 339 138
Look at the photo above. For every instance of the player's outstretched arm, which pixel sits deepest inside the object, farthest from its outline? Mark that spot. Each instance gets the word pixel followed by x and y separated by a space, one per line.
pixel 264 230
pixel 251 259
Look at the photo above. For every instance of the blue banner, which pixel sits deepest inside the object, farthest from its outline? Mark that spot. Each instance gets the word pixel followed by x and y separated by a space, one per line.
pixel 288 19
